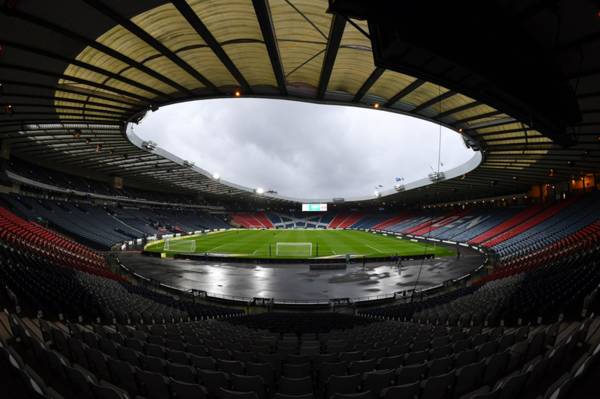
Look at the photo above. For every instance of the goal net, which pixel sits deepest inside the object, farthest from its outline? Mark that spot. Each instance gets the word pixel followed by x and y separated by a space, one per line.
pixel 179 245
pixel 293 249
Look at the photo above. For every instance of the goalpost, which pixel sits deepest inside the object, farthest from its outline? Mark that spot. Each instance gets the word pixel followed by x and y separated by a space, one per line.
pixel 293 249
pixel 179 245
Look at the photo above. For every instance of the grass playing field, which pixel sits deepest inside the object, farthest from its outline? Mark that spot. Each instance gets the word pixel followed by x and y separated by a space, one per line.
pixel 263 244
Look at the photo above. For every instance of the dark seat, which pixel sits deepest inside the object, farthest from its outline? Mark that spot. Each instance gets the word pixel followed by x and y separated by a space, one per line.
pixel 296 370
pixel 264 370
pixel 376 381
pixel 437 387
pixel 229 394
pixel 408 391
pixel 362 366
pixel 468 378
pixel 248 383
pixel 358 395
pixel 152 363
pixel 213 381
pixel 104 390
pixel 183 390
pixel 343 384
pixel 123 375
pixel 78 382
pixel 230 366
pixel 280 395
pixel 410 374
pixel 203 362
pixel 391 362
pixel 329 369
pixel 152 385
pixel 495 366
pixel 181 372
pixel 439 366
pixel 295 386
pixel 416 357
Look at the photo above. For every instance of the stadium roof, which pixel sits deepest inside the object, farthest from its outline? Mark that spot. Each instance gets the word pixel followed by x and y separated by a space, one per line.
pixel 74 73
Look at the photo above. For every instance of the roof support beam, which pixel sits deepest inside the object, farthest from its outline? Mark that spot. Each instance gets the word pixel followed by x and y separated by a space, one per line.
pixel 108 74
pixel 457 109
pixel 95 45
pixel 404 92
pixel 121 92
pixel 430 103
pixel 377 72
pixel 477 117
pixel 184 8
pixel 336 30
pixel 263 14
pixel 150 40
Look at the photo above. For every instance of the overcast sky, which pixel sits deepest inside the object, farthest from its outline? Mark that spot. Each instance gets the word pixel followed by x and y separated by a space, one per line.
pixel 301 149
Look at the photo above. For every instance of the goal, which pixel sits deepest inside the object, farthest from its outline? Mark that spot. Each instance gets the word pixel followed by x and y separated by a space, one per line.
pixel 293 249
pixel 179 245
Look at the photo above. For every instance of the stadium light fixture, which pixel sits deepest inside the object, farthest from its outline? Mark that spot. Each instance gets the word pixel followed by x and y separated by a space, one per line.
pixel 216 176
pixel 260 191
pixel 237 93
pixel 376 105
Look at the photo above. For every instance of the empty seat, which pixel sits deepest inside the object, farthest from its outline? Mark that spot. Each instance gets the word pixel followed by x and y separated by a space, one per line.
pixel 343 384
pixel 263 370
pixel 296 370
pixel 408 391
pixel 152 363
pixel 362 366
pixel 439 366
pixel 437 387
pixel 416 357
pixel 295 386
pixel 468 378
pixel 512 386
pixel 495 366
pixel 230 394
pixel 230 366
pixel 409 374
pixel 213 381
pixel 246 383
pixel 123 376
pixel 358 395
pixel 391 362
pixel 329 369
pixel 203 362
pixel 181 372
pixel 78 382
pixel 183 390
pixel 280 395
pixel 376 381
pixel 104 390
pixel 152 385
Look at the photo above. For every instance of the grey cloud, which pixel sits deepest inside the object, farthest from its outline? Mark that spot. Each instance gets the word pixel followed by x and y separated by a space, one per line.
pixel 302 149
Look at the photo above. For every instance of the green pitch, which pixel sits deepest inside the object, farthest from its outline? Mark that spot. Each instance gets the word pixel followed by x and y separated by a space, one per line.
pixel 262 244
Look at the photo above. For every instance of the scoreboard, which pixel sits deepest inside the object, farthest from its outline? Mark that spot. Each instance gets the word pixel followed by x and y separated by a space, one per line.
pixel 314 207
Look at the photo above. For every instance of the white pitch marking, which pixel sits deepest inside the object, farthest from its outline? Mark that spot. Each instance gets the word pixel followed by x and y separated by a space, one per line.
pixel 374 248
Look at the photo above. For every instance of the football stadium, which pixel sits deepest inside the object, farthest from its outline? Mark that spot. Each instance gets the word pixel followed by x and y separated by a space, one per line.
pixel 299 199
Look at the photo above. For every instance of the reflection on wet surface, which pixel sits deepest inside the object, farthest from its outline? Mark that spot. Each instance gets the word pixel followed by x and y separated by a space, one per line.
pixel 297 281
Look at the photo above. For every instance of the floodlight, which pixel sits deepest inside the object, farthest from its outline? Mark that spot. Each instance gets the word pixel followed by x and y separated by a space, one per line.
pixel 260 191
pixel 216 176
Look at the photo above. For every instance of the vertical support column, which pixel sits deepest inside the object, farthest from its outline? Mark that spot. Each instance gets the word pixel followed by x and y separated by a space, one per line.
pixel 4 159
